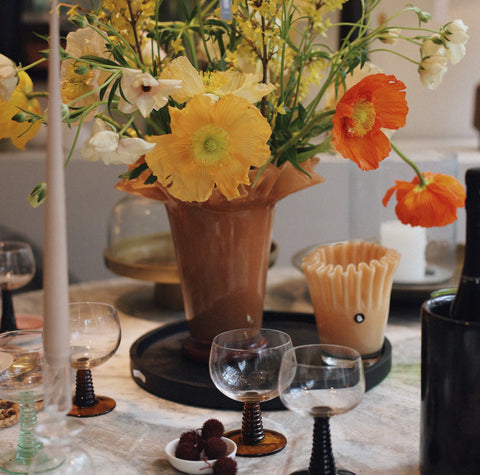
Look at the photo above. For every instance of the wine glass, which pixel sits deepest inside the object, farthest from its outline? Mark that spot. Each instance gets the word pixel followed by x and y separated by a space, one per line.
pixel 61 454
pixel 95 336
pixel 21 381
pixel 321 381
pixel 17 268
pixel 244 365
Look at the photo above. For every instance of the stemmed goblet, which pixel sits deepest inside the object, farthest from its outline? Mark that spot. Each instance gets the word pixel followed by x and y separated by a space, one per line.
pixel 21 381
pixel 244 365
pixel 94 337
pixel 321 381
pixel 17 268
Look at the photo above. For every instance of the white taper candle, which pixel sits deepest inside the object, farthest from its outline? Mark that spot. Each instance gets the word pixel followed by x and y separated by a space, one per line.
pixel 56 319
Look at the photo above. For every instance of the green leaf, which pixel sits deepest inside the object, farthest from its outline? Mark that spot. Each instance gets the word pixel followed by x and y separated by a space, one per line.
pixel 99 60
pixel 111 95
pixel 135 173
pixel 150 180
pixel 119 54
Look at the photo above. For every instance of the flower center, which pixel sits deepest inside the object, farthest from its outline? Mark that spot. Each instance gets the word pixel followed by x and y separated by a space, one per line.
pixel 210 145
pixel 363 118
pixel 146 88
pixel 213 82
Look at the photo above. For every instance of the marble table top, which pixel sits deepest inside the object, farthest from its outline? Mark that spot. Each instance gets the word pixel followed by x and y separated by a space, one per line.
pixel 379 437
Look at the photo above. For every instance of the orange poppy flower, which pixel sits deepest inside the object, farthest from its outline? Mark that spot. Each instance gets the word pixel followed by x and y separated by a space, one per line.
pixel 432 204
pixel 376 102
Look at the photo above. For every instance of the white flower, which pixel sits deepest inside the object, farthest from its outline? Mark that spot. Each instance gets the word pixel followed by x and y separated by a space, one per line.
pixel 78 88
pixel 432 69
pixel 456 32
pixel 144 92
pixel 455 52
pixel 150 50
pixel 105 144
pixel 390 37
pixel 8 78
pixel 432 46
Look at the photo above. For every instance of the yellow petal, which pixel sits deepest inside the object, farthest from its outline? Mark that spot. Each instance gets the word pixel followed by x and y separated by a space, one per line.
pixel 19 132
pixel 181 68
pixel 247 86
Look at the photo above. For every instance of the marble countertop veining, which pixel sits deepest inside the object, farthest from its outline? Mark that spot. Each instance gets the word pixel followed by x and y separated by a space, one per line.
pixel 379 437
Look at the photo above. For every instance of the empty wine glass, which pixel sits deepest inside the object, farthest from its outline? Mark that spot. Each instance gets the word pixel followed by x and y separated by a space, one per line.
pixel 244 365
pixel 95 336
pixel 321 381
pixel 17 268
pixel 21 381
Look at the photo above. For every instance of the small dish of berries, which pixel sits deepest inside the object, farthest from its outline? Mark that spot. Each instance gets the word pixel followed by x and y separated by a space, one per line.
pixel 203 451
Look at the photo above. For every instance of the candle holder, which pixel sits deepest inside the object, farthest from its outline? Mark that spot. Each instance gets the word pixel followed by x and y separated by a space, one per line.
pixel 349 285
pixel 428 255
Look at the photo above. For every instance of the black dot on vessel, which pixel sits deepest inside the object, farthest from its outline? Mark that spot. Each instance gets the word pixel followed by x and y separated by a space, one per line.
pixel 359 318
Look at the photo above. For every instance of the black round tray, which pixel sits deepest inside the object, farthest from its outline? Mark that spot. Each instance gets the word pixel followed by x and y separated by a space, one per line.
pixel 158 365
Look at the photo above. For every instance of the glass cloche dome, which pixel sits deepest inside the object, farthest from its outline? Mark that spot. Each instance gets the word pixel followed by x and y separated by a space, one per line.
pixel 139 245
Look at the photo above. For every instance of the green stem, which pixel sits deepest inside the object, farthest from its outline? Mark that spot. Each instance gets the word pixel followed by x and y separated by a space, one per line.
pixel 409 162
pixel 127 125
pixel 33 95
pixel 376 50
pixel 303 132
pixel 32 65
pixel 320 148
pixel 109 120
pixel 94 91
pixel 28 445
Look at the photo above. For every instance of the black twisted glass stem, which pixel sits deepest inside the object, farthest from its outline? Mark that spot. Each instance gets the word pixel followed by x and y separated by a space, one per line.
pixel 85 402
pixel 252 440
pixel 322 461
pixel 8 322
pixel 252 425
pixel 84 392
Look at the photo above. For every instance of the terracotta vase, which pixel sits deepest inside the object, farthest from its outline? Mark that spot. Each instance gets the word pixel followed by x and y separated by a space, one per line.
pixel 222 249
pixel 222 260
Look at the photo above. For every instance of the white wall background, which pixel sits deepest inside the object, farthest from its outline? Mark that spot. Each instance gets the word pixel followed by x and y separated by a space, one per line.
pixel 318 214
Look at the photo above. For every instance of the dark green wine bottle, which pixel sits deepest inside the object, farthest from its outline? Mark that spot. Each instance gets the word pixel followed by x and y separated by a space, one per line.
pixel 466 305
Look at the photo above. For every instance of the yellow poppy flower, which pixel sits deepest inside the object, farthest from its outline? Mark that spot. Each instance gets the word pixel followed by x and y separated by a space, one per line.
pixel 211 144
pixel 217 83
pixel 19 132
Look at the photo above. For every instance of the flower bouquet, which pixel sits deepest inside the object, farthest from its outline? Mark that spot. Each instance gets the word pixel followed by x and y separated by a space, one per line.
pixel 223 110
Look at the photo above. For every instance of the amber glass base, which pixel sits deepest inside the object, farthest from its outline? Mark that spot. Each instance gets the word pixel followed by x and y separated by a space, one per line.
pixel 272 443
pixel 103 404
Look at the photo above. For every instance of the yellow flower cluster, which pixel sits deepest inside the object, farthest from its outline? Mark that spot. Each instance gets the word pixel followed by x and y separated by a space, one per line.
pixel 265 34
pixel 130 18
pixel 316 12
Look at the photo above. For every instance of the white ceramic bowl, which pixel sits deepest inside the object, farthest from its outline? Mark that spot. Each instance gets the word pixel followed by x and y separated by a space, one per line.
pixel 196 466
